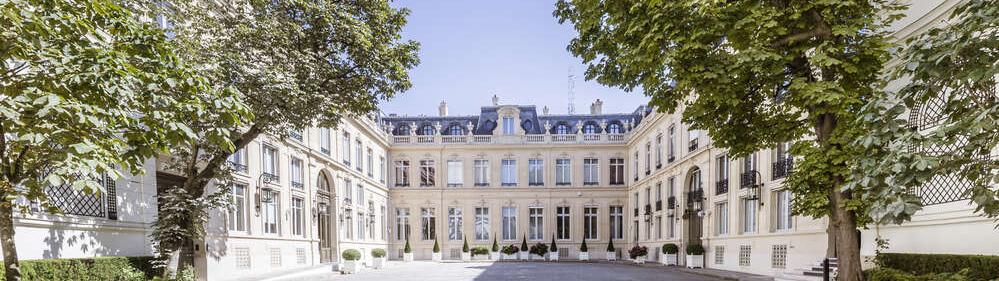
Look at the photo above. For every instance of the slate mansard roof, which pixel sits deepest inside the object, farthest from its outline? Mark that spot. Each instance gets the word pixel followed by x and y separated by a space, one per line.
pixel 531 121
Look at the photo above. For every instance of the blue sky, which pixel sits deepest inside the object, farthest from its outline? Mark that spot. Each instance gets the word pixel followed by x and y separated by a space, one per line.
pixel 514 49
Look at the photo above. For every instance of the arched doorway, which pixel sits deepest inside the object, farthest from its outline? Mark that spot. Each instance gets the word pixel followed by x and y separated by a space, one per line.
pixel 324 191
pixel 694 207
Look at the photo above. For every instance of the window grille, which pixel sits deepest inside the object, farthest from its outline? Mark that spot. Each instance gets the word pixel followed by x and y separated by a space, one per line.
pixel 300 255
pixel 719 254
pixel 242 257
pixel 78 202
pixel 275 257
pixel 941 188
pixel 778 257
pixel 745 253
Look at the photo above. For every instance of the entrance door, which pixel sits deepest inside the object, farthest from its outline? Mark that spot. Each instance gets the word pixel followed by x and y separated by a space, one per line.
pixel 695 204
pixel 325 234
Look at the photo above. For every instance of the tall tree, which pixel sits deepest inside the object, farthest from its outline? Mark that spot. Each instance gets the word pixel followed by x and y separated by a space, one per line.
pixel 754 74
pixel 942 125
pixel 88 90
pixel 296 63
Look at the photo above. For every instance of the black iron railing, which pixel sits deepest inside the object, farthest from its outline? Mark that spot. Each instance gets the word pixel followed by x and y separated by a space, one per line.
pixel 721 187
pixel 782 168
pixel 671 202
pixel 747 179
pixel 659 205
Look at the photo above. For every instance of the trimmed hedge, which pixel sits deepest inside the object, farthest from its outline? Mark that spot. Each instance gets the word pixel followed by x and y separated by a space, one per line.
pixel 99 268
pixel 979 267
pixel 888 274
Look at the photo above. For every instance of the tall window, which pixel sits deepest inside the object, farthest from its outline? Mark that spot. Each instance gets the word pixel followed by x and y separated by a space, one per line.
pixel 324 141
pixel 482 223
pixel 591 171
pixel 371 163
pixel 348 231
pixel 749 215
pixel 659 150
pixel 237 212
pixel 401 223
pixel 783 210
pixel 427 173
pixel 271 212
pixel 456 130
pixel 659 193
pixel 562 228
pixel 671 147
pixel 634 163
pixel 536 172
pixel 297 173
pixel 659 226
pixel 509 223
pixel 508 126
pixel 563 174
pixel 721 226
pixel 381 168
pixel 589 129
pixel 238 160
pixel 428 222
pixel 590 230
pixel 454 173
pixel 617 222
pixel 693 135
pixel 454 224
pixel 346 148
pixel 297 216
pixel 561 129
pixel 359 149
pixel 481 172
pixel 402 173
pixel 648 157
pixel 270 160
pixel 617 171
pixel 722 164
pixel 614 128
pixel 347 189
pixel 427 130
pixel 361 223
pixel 509 172
pixel 536 223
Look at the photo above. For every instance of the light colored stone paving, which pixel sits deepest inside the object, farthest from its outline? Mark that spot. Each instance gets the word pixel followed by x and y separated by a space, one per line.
pixel 489 271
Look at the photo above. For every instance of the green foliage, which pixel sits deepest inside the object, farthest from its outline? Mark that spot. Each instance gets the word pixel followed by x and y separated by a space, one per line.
pixel 495 245
pixel 670 248
pixel 695 249
pixel 610 245
pixel 554 247
pixel 978 267
pixel 638 251
pixel 888 274
pixel 351 255
pixel 437 247
pixel 378 252
pixel 948 79
pixel 582 247
pixel 100 268
pixel 523 244
pixel 539 249
pixel 464 246
pixel 510 249
pixel 407 249
pixel 479 251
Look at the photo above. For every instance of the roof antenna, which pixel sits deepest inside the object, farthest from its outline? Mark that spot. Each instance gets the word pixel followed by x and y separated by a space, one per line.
pixel 572 92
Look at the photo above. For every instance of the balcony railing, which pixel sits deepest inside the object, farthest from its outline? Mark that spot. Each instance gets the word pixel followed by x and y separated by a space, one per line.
pixel 648 208
pixel 535 183
pixel 269 177
pixel 693 145
pixel 295 135
pixel 402 184
pixel 659 205
pixel 297 185
pixel 508 139
pixel 482 184
pixel 239 168
pixel 671 202
pixel 590 183
pixel 695 195
pixel 747 179
pixel 782 168
pixel 636 212
pixel 721 187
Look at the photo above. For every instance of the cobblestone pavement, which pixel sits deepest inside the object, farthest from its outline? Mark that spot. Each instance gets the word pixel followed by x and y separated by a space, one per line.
pixel 488 271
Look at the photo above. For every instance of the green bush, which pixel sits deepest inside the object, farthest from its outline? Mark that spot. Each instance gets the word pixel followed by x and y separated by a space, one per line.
pixel 671 248
pixel 437 247
pixel 979 267
pixel 583 248
pixel 495 245
pixel 351 255
pixel 378 253
pixel 610 246
pixel 464 246
pixel 407 249
pixel 480 251
pixel 554 246
pixel 539 249
pixel 695 249
pixel 889 274
pixel 511 249
pixel 99 268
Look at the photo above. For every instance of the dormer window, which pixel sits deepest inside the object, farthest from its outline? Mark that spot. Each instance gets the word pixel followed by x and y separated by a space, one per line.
pixel 590 129
pixel 456 130
pixel 508 127
pixel 562 129
pixel 614 128
pixel 427 130
pixel 403 130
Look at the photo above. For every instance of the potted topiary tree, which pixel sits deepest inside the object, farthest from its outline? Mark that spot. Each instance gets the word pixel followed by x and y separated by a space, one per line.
pixel 465 255
pixel 584 254
pixel 523 249
pixel 638 253
pixel 436 255
pixel 553 255
pixel 669 254
pixel 611 255
pixel 480 253
pixel 378 258
pixel 538 251
pixel 407 252
pixel 510 252
pixel 350 261
pixel 695 256
pixel 494 254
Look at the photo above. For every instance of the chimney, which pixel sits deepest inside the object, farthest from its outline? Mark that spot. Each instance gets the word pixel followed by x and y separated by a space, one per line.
pixel 596 107
pixel 442 108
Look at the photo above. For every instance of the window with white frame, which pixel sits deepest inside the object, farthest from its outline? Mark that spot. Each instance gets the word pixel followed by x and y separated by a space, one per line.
pixel 297 173
pixel 590 226
pixel 536 172
pixel 634 164
pixel 536 223
pixel 348 230
pixel 658 226
pixel 591 171
pixel 562 227
pixel 402 229
pixel 481 172
pixel 361 224
pixel 347 189
pixel 749 215
pixel 402 173
pixel 454 173
pixel 648 158
pixel 616 171
pixel 482 226
pixel 508 126
pixel 617 222
pixel 454 223
pixel 371 163
pixel 563 172
pixel 359 149
pixel 381 168
pixel 509 223
pixel 659 150
pixel 427 173
pixel 782 213
pixel 692 136
pixel 721 223
pixel 297 216
pixel 272 211
pixel 237 211
pixel 671 147
pixel 324 141
pixel 346 148
pixel 270 159
pixel 428 222
pixel 509 172
pixel 238 160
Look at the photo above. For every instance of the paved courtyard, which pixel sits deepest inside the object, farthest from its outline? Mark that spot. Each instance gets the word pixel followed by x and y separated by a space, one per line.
pixel 488 271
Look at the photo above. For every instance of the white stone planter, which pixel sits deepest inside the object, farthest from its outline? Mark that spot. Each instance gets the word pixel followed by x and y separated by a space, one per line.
pixel 510 257
pixel 524 255
pixel 407 256
pixel 435 257
pixel 378 263
pixel 667 259
pixel 639 259
pixel 494 255
pixel 695 261
pixel 537 257
pixel 611 256
pixel 350 267
pixel 466 256
pixel 553 256
pixel 584 256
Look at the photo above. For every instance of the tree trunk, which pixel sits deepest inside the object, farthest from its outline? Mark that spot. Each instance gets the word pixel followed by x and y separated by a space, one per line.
pixel 12 269
pixel 848 246
pixel 831 227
